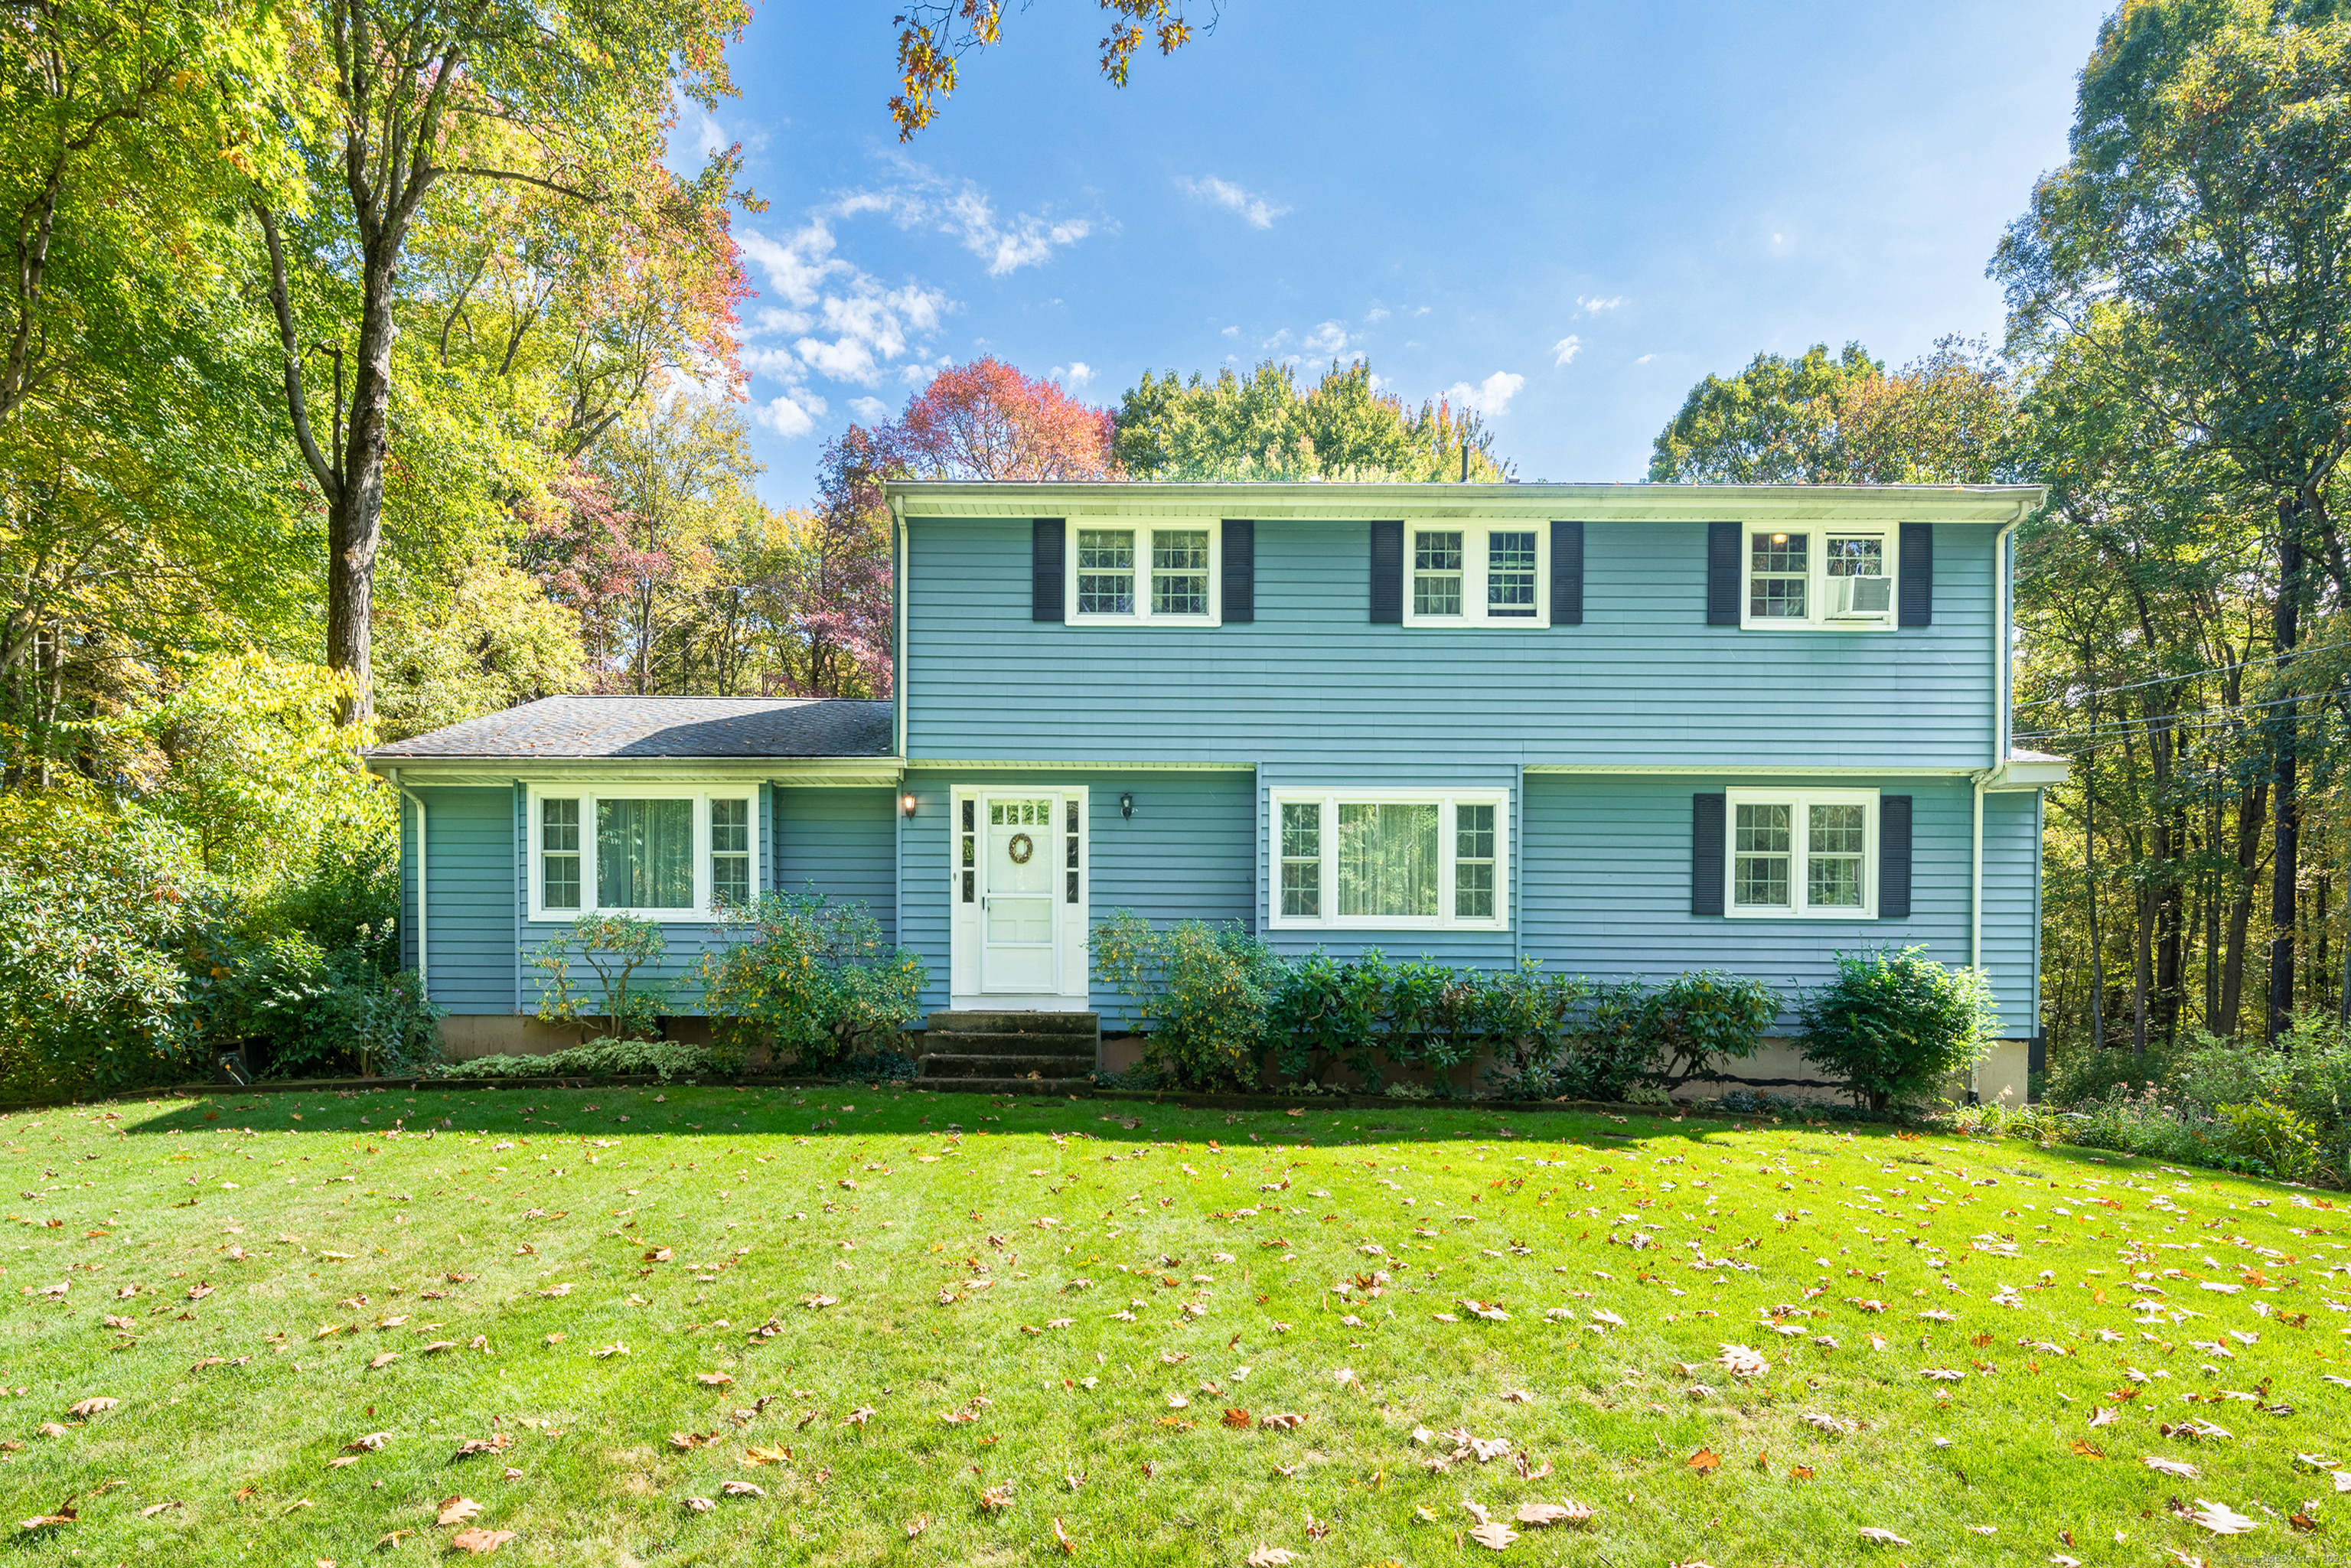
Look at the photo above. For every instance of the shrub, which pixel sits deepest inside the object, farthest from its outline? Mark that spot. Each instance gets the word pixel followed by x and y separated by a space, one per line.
pixel 1895 1025
pixel 2274 1137
pixel 666 1059
pixel 812 980
pixel 614 947
pixel 306 1011
pixel 1201 991
pixel 93 911
pixel 1632 1035
pixel 1325 1014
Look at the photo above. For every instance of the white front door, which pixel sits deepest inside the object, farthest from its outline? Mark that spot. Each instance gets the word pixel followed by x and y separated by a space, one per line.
pixel 1018 866
pixel 1019 884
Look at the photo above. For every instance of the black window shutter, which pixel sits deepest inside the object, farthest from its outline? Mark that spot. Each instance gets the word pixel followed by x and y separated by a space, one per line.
pixel 1917 568
pixel 1387 574
pixel 1707 812
pixel 1047 594
pixel 1894 856
pixel 1566 574
pixel 1240 571
pixel 1722 576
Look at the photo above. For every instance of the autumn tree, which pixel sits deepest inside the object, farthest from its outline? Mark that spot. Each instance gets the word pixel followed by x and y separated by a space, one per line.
pixel 935 34
pixel 414 98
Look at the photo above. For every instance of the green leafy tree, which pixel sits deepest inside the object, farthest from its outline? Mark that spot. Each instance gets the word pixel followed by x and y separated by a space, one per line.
pixel 2208 202
pixel 1264 427
pixel 1896 1026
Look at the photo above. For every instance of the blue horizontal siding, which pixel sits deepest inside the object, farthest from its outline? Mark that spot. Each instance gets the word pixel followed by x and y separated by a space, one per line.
pixel 839 843
pixel 1643 680
pixel 469 881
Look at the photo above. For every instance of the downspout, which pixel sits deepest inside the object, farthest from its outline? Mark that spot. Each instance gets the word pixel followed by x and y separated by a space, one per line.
pixel 898 622
pixel 1983 778
pixel 423 949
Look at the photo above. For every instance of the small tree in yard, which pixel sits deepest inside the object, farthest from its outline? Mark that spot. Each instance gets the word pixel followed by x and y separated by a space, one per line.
pixel 1895 1025
pixel 615 946
pixel 812 981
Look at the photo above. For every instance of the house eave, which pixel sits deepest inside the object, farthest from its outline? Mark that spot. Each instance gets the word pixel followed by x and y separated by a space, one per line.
pixel 838 772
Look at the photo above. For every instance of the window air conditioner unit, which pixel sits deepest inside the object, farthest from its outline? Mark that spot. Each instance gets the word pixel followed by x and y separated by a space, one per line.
pixel 1860 598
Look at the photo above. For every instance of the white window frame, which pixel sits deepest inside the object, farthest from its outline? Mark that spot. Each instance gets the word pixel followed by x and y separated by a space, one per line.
pixel 1816 595
pixel 1142 529
pixel 1476 562
pixel 587 794
pixel 1329 798
pixel 1800 800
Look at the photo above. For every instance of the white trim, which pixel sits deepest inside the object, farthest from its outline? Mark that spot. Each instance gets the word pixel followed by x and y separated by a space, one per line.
pixel 646 790
pixel 1817 580
pixel 424 927
pixel 1330 798
pixel 1049 764
pixel 1747 770
pixel 1477 547
pixel 1142 529
pixel 1799 847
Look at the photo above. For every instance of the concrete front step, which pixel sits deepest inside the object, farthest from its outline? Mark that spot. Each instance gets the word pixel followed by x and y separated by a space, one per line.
pixel 1034 1023
pixel 1074 1047
pixel 952 1064
pixel 1071 1086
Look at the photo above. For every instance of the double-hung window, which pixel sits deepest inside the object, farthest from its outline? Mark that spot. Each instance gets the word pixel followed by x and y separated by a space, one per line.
pixel 1129 572
pixel 1477 574
pixel 662 852
pixel 1805 852
pixel 1390 859
pixel 1819 579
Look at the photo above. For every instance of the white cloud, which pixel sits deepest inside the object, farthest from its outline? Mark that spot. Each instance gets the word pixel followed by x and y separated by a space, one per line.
pixel 796 266
pixel 927 199
pixel 1645 358
pixel 871 410
pixel 1256 211
pixel 1376 313
pixel 1595 305
pixel 1076 373
pixel 1564 352
pixel 1232 331
pixel 792 415
pixel 1489 397
pixel 1327 342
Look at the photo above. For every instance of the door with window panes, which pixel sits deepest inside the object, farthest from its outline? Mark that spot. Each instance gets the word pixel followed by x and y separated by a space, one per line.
pixel 1020 891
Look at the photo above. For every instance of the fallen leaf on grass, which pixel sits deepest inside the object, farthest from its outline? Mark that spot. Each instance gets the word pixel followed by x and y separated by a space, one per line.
pixel 386 1359
pixel 1284 1422
pixel 2220 1518
pixel 92 1407
pixel 768 1456
pixel 369 1443
pixel 611 1350
pixel 1493 1533
pixel 1237 1418
pixel 1272 1557
pixel 1544 1513
pixel 1062 1538
pixel 994 1500
pixel 713 1379
pixel 65 1515
pixel 1870 1533
pixel 438 1345
pixel 478 1540
pixel 2179 1468
pixel 1705 1461
pixel 347 1460
pixel 456 1510
pixel 152 1509
pixel 741 1489
pixel 2105 1415
pixel 699 1504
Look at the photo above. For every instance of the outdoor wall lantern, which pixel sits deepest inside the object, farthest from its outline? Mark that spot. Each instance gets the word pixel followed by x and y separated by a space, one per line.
pixel 1126 804
pixel 906 805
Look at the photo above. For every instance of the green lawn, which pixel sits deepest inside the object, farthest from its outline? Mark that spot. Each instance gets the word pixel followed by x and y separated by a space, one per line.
pixel 954 1327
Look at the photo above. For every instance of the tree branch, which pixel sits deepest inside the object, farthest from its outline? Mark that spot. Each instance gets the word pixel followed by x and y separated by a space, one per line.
pixel 327 474
pixel 560 189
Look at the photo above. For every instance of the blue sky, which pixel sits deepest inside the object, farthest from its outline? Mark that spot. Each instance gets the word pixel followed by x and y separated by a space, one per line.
pixel 1567 212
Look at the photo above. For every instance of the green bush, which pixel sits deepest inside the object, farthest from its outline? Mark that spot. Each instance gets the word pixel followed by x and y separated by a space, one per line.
pixel 812 981
pixel 303 1011
pixel 1895 1025
pixel 613 948
pixel 665 1059
pixel 2271 1136
pixel 95 913
pixel 1632 1036
pixel 1199 991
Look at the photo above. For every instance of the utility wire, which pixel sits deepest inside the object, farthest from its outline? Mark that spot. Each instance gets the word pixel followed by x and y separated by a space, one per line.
pixel 2183 675
pixel 2200 719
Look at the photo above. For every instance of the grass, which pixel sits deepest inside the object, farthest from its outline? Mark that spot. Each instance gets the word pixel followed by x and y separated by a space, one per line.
pixel 1087 1282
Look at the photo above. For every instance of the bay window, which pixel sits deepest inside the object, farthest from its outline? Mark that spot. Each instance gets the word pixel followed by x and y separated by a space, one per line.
pixel 1804 853
pixel 1375 859
pixel 1819 579
pixel 659 851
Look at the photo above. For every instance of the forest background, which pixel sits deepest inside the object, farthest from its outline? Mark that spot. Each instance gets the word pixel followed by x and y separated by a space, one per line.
pixel 366 366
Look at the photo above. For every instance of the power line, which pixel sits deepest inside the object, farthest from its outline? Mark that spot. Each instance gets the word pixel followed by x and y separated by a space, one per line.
pixel 2183 675
pixel 2200 719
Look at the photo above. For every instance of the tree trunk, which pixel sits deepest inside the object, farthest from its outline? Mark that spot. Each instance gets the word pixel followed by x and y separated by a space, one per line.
pixel 355 515
pixel 2285 805
pixel 2251 808
pixel 2090 886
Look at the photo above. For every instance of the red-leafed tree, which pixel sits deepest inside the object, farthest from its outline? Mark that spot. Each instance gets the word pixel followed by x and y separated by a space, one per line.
pixel 985 420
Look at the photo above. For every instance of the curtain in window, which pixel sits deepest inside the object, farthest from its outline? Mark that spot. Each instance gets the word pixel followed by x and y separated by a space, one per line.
pixel 1388 859
pixel 645 854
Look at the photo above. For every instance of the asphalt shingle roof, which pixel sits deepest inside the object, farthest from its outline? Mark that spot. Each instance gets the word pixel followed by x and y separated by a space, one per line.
pixel 662 726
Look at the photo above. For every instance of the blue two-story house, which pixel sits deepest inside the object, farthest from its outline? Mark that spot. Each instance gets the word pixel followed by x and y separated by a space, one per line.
pixel 1625 729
